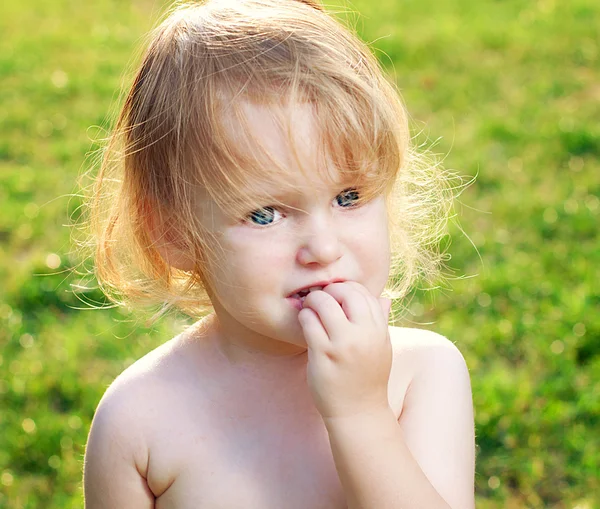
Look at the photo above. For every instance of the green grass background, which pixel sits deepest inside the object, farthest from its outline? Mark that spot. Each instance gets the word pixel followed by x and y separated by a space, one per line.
pixel 511 88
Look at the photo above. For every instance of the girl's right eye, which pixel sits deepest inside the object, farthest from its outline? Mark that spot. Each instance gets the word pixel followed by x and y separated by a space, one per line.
pixel 264 216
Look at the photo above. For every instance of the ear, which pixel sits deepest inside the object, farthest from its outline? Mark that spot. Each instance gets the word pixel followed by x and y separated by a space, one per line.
pixel 165 240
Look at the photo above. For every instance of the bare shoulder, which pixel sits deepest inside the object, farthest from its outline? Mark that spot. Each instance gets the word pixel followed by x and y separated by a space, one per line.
pixel 407 339
pixel 129 417
pixel 131 396
pixel 420 354
pixel 428 358
pixel 418 349
pixel 140 378
pixel 131 406
pixel 437 411
pixel 433 375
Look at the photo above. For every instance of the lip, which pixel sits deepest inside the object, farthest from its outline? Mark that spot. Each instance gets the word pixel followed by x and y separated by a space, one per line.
pixel 317 283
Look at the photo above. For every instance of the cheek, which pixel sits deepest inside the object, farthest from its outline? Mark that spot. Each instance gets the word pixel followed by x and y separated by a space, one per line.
pixel 372 246
pixel 380 260
pixel 370 233
pixel 254 264
pixel 386 246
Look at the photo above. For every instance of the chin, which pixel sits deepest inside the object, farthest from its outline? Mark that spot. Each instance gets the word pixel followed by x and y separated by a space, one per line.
pixel 284 328
pixel 267 318
pixel 290 331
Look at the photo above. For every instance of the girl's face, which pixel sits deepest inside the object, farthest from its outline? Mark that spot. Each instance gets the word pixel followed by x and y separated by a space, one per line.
pixel 318 236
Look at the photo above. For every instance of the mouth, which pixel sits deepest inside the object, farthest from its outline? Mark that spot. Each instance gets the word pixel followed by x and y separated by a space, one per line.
pixel 301 293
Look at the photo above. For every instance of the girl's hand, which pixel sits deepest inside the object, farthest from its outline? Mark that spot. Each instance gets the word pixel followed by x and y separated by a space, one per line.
pixel 349 349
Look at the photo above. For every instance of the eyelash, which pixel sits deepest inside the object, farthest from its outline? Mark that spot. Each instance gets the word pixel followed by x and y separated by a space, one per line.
pixel 258 213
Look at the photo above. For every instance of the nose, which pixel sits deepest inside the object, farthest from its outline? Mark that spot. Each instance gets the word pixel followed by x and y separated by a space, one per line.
pixel 320 244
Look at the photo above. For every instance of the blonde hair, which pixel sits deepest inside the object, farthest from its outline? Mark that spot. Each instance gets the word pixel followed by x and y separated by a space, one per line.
pixel 170 142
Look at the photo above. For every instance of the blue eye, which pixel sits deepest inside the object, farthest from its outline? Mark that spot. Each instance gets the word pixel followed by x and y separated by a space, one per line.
pixel 263 216
pixel 347 198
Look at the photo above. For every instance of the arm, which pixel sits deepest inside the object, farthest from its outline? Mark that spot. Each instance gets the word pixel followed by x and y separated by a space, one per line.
pixel 426 460
pixel 115 459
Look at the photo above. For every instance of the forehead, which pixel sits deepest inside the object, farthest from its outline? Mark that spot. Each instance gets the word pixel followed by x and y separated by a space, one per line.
pixel 281 148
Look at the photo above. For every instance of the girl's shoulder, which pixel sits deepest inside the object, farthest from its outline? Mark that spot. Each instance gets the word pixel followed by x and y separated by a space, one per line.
pixel 422 360
pixel 148 383
pixel 161 367
pixel 409 340
pixel 420 352
pixel 140 409
pixel 430 390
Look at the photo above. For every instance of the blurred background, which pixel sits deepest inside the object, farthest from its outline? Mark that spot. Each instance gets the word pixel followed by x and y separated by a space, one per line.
pixel 506 90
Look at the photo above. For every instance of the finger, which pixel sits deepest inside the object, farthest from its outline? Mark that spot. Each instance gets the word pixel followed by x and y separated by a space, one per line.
pixel 370 298
pixel 314 332
pixel 377 304
pixel 353 302
pixel 327 309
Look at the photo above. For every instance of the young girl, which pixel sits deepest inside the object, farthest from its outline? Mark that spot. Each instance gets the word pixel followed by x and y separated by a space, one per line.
pixel 264 181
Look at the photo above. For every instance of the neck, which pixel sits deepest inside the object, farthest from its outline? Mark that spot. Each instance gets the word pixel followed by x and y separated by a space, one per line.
pixel 250 352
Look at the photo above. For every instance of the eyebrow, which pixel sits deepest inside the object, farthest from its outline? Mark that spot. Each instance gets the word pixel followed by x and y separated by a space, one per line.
pixel 341 184
pixel 286 196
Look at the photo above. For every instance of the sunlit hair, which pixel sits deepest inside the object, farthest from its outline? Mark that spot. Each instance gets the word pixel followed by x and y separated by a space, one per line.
pixel 171 144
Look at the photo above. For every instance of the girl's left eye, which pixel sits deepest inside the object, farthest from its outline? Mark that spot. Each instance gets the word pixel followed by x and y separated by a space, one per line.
pixel 348 198
pixel 264 216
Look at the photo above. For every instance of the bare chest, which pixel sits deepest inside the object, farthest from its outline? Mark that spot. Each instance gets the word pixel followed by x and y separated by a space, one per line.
pixel 236 445
pixel 220 460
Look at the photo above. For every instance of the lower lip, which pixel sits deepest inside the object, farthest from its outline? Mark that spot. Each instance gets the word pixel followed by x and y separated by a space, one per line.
pixel 295 302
